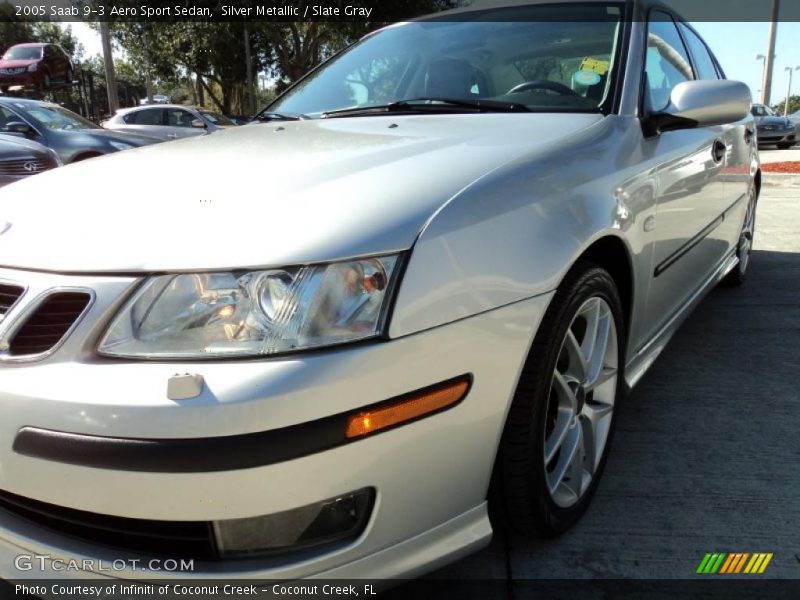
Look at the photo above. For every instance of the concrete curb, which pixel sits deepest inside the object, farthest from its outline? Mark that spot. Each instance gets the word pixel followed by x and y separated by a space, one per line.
pixel 782 179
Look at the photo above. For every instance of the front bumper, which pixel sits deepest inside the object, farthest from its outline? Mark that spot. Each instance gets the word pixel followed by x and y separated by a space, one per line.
pixel 766 138
pixel 430 476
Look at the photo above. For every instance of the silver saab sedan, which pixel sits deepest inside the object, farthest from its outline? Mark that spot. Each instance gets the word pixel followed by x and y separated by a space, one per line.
pixel 446 255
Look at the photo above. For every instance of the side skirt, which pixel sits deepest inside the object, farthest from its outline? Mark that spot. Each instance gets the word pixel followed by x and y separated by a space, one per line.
pixel 646 356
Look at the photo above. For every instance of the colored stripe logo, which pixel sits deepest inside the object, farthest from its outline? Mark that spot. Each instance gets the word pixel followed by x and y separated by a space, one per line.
pixel 723 563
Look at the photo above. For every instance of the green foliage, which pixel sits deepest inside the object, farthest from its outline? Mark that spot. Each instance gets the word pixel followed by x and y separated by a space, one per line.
pixel 794 105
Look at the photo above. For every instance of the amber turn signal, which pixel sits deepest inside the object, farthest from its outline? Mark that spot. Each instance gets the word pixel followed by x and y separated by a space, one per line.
pixel 415 405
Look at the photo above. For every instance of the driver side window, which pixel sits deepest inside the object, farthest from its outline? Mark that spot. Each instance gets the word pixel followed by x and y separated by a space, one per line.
pixel 667 62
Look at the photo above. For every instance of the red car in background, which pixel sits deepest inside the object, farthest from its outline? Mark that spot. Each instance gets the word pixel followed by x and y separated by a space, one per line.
pixel 35 65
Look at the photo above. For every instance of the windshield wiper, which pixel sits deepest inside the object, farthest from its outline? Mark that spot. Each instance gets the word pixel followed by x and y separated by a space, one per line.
pixel 265 117
pixel 430 105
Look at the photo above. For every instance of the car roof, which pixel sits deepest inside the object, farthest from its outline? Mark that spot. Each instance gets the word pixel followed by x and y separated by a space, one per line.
pixel 26 101
pixel 31 45
pixel 130 109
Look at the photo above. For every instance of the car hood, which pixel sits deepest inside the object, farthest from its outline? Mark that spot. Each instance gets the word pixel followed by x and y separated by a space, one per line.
pixel 271 194
pixel 761 121
pixel 12 64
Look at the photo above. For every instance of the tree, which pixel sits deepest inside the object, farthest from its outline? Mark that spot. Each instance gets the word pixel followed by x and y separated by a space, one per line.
pixel 794 105
pixel 12 30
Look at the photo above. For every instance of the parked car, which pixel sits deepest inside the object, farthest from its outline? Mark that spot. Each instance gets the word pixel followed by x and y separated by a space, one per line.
pixel 70 135
pixel 157 99
pixel 168 122
pixel 773 129
pixel 445 256
pixel 22 158
pixel 35 65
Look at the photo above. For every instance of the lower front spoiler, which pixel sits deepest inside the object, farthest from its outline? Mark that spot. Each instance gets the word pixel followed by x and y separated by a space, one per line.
pixel 450 541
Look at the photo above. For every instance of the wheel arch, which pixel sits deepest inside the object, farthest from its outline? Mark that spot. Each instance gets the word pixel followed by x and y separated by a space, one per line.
pixel 612 254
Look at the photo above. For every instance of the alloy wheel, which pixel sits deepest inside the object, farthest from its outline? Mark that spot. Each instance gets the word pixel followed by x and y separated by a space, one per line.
pixel 581 402
pixel 746 238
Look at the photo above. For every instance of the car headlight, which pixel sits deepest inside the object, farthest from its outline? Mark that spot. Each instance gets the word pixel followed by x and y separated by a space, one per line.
pixel 253 313
pixel 33 67
pixel 121 145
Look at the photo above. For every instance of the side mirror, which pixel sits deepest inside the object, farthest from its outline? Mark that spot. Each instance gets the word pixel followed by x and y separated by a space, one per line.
pixel 20 128
pixel 199 124
pixel 701 104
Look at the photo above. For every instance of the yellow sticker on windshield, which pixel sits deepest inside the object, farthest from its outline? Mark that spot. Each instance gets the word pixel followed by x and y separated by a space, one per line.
pixel 593 64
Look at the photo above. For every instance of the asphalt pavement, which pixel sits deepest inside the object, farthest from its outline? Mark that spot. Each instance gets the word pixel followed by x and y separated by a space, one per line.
pixel 706 456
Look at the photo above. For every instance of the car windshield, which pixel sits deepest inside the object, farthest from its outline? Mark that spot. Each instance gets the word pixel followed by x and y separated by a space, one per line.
pixel 762 111
pixel 56 117
pixel 545 58
pixel 216 118
pixel 23 53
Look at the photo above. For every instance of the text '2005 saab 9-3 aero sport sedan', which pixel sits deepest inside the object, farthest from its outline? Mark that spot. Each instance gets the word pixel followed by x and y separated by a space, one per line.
pixel 448 253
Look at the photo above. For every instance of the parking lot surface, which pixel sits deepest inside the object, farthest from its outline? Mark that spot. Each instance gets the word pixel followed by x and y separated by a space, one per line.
pixel 706 456
pixel 773 155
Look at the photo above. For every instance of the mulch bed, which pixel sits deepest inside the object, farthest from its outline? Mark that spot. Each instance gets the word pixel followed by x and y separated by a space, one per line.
pixel 782 167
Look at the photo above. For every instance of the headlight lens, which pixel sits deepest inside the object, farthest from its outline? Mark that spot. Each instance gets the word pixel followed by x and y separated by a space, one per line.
pixel 207 315
pixel 121 145
pixel 33 67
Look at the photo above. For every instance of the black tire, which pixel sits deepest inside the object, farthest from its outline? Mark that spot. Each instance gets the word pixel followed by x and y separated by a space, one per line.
pixel 744 248
pixel 520 498
pixel 784 146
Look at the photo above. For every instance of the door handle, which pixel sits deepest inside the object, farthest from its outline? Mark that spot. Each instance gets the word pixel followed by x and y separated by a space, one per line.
pixel 172 136
pixel 718 151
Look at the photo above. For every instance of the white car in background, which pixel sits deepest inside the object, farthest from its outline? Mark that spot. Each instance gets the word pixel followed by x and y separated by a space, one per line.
pixel 168 121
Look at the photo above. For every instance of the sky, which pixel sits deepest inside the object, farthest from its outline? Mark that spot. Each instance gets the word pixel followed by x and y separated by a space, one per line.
pixel 734 44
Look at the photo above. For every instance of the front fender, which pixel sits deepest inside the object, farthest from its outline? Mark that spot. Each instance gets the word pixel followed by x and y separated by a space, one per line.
pixel 515 233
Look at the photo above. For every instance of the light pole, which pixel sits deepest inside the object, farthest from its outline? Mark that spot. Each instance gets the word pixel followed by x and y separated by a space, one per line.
pixel 770 56
pixel 789 90
pixel 760 92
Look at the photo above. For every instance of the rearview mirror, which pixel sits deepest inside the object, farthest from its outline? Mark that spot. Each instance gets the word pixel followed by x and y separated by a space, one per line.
pixel 701 104
pixel 19 127
pixel 199 124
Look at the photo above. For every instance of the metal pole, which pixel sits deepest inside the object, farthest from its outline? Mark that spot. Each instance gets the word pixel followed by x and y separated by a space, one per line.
pixel 788 92
pixel 769 63
pixel 251 99
pixel 108 59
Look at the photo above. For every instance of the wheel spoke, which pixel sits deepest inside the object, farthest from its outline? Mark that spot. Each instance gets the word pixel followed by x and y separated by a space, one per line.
pixel 558 435
pixel 605 375
pixel 575 482
pixel 578 365
pixel 566 395
pixel 594 417
pixel 591 313
pixel 568 451
pixel 598 357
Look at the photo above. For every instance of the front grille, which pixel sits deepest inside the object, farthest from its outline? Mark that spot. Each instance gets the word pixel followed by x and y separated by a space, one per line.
pixel 174 539
pixel 49 323
pixel 9 294
pixel 24 167
pixel 13 70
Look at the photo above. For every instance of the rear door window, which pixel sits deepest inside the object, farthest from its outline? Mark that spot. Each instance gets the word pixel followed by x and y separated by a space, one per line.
pixel 153 116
